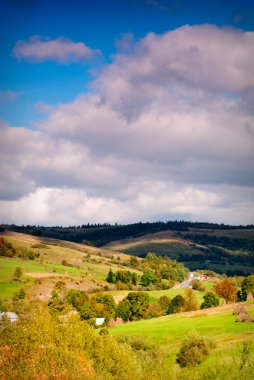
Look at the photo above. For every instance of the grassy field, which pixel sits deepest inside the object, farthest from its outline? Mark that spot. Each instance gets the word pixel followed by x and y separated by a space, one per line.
pixel 8 290
pixel 217 324
pixel 86 265
pixel 154 295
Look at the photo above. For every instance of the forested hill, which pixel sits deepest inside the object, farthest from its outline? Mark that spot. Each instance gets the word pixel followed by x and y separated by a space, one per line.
pixel 102 234
pixel 218 247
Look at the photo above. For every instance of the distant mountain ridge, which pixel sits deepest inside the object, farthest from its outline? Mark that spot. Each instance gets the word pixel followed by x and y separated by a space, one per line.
pixel 222 248
pixel 102 234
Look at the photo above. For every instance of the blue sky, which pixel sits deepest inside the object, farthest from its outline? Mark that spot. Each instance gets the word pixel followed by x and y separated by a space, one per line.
pixel 95 77
pixel 100 24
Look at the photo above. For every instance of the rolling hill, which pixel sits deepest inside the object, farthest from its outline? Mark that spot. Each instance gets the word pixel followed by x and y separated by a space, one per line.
pixel 79 266
pixel 228 251
pixel 218 247
pixel 84 267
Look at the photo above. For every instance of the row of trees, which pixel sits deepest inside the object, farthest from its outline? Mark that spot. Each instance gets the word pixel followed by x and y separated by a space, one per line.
pixel 99 305
pixel 165 268
pixel 134 306
pixel 123 276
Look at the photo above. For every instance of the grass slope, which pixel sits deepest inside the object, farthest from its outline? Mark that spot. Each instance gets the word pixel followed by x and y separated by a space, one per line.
pixel 154 295
pixel 215 323
pixel 87 266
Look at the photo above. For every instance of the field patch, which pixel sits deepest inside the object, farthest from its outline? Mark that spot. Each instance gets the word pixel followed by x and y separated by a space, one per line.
pixel 217 324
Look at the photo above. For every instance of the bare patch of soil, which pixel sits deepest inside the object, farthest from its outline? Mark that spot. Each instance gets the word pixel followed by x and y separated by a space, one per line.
pixel 43 275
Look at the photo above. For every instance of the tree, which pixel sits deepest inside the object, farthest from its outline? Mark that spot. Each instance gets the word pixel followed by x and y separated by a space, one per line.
pixel 148 277
pixel 247 287
pixel 77 298
pixel 133 306
pixel 190 300
pixel 107 300
pixel 58 302
pixel 87 311
pixel 18 273
pixel 176 305
pixel 111 277
pixel 124 276
pixel 139 302
pixel 124 309
pixel 227 290
pixel 210 300
pixel 154 310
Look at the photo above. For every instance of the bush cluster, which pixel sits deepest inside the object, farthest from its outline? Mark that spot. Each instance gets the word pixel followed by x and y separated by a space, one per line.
pixel 98 306
pixel 158 273
pixel 194 350
pixel 44 346
pixel 8 250
pixel 210 300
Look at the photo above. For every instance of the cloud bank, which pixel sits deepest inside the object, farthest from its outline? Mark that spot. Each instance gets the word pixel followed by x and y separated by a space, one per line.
pixel 61 50
pixel 168 132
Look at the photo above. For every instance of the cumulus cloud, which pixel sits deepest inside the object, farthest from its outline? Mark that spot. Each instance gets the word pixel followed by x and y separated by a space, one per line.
pixel 167 133
pixel 159 201
pixel 61 50
pixel 192 59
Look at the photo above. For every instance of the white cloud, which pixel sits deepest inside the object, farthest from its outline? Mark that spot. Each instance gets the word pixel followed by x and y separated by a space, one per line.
pixel 169 133
pixel 61 50
pixel 203 56
pixel 156 201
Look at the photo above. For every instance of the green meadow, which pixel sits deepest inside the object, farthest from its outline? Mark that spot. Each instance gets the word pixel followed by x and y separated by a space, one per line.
pixel 82 263
pixel 168 332
pixel 154 295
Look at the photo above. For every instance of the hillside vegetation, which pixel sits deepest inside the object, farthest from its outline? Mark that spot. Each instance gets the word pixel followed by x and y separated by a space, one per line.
pixel 223 251
pixel 58 290
pixel 45 261
pixel 217 324
pixel 222 248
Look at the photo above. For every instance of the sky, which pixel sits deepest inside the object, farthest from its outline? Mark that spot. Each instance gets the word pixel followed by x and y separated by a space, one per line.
pixel 126 111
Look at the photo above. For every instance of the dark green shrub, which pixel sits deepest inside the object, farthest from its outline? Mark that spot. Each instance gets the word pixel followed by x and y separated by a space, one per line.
pixel 148 277
pixel 176 305
pixel 210 300
pixel 124 310
pixel 21 294
pixel 246 287
pixel 139 302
